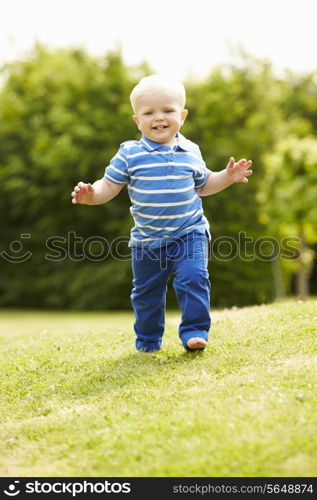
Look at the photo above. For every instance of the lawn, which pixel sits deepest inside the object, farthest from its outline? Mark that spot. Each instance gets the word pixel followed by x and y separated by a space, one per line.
pixel 78 400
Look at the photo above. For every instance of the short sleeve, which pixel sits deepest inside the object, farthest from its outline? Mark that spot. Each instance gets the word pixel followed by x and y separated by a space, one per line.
pixel 117 170
pixel 202 172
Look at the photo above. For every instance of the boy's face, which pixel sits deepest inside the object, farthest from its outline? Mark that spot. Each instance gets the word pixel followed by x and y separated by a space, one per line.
pixel 160 117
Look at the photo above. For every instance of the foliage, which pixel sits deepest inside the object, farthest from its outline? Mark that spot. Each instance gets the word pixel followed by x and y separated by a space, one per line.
pixel 63 115
pixel 289 189
pixel 288 196
pixel 233 113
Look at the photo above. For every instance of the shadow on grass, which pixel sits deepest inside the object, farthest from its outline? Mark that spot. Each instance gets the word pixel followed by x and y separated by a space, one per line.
pixel 41 376
pixel 132 369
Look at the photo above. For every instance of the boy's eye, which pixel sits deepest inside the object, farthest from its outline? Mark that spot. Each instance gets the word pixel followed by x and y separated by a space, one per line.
pixel 148 113
pixel 169 111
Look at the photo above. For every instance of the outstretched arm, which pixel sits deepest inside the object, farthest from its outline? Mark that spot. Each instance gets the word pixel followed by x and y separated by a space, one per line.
pixel 234 172
pixel 95 194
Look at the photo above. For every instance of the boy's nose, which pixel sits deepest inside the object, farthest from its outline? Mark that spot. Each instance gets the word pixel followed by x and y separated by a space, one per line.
pixel 159 116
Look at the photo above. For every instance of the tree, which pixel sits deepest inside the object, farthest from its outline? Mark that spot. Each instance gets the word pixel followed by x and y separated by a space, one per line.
pixel 288 196
pixel 233 112
pixel 63 115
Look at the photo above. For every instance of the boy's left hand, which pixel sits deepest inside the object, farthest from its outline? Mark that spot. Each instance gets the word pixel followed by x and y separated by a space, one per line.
pixel 239 171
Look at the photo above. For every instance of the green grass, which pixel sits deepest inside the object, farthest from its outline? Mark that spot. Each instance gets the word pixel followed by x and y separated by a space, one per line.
pixel 78 400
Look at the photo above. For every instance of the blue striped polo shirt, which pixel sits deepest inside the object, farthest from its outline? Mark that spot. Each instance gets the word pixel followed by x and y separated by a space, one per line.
pixel 162 183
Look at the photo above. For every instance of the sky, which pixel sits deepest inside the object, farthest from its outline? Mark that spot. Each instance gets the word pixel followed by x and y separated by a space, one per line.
pixel 182 38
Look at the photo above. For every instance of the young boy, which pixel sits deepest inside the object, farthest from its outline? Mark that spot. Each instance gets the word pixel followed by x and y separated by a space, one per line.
pixel 166 178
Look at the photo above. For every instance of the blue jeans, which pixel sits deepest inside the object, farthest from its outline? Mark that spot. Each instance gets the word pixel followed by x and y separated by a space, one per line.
pixel 187 257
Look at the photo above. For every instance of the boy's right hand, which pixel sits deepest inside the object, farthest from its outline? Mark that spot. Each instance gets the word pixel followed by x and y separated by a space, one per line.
pixel 83 193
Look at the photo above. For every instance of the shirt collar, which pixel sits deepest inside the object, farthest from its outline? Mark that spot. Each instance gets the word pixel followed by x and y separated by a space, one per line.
pixel 152 145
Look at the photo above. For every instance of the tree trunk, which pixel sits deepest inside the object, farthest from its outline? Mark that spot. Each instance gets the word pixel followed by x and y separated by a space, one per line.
pixel 302 284
pixel 279 288
pixel 306 258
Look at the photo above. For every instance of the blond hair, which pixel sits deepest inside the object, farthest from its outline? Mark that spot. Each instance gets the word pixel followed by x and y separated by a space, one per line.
pixel 156 85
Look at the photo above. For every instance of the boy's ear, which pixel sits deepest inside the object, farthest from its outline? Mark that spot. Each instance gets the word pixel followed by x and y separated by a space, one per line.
pixel 184 115
pixel 136 119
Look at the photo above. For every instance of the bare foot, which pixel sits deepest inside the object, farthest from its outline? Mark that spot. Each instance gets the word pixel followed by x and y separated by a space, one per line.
pixel 196 343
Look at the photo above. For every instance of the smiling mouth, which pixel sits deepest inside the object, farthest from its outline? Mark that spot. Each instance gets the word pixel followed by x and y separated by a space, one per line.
pixel 160 127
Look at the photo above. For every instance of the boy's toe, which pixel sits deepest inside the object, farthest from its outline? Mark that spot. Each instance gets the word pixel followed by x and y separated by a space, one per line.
pixel 196 343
